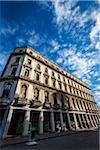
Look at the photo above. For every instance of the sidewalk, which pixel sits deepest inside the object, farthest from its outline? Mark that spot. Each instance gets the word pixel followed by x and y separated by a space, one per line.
pixel 22 139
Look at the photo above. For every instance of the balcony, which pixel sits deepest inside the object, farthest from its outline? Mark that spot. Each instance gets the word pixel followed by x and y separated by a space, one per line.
pixel 4 101
pixel 56 106
pixel 64 107
pixel 47 105
pixel 20 101
pixel 35 103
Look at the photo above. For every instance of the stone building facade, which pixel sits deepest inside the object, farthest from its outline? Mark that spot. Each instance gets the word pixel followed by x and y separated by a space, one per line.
pixel 34 89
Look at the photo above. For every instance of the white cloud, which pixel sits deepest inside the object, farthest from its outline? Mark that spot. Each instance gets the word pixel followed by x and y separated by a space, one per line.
pixel 59 60
pixel 55 45
pixel 95 31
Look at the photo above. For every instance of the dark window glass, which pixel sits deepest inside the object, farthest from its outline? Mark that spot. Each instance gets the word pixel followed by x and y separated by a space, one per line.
pixel 62 100
pixel 37 77
pixel 46 80
pixel 13 72
pixel 55 98
pixel 46 70
pixel 59 85
pixel 38 66
pixel 53 73
pixel 26 73
pixel 29 62
pixel 53 83
pixel 17 59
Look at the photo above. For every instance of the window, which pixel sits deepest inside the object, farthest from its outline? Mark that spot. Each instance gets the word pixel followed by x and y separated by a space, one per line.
pixel 26 73
pixel 55 98
pixel 13 72
pixel 53 83
pixel 74 102
pixel 64 79
pixel 38 66
pixel 59 83
pixel 23 91
pixel 46 96
pixel 46 80
pixel 37 76
pixel 6 90
pixel 17 59
pixel 30 53
pixel 53 74
pixel 70 89
pixel 46 70
pixel 62 100
pixel 65 87
pixel 58 76
pixel 29 62
pixel 36 94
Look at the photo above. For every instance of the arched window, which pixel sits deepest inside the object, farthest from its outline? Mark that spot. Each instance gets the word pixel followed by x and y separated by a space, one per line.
pixel 38 66
pixel 6 90
pixel 23 91
pixel 36 94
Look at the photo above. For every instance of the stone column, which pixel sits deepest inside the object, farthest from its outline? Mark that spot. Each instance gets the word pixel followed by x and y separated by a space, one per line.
pixel 41 118
pixel 75 120
pixel 26 123
pixel 61 120
pixel 84 121
pixel 69 121
pixel 94 120
pixel 87 120
pixel 91 121
pixel 8 121
pixel 52 121
pixel 80 121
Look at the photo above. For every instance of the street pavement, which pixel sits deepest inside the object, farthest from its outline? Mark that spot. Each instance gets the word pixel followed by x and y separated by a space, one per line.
pixel 87 140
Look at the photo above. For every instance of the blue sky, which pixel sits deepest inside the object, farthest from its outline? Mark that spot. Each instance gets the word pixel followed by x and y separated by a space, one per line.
pixel 67 32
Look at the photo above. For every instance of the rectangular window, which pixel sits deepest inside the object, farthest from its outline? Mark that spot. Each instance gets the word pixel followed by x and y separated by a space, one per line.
pixel 59 83
pixel 29 61
pixel 37 77
pixel 13 72
pixel 17 59
pixel 46 80
pixel 26 73
pixel 53 83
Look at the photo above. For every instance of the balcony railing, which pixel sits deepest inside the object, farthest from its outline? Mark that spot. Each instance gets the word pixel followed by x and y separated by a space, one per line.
pixel 56 106
pixel 64 107
pixel 35 103
pixel 4 101
pixel 47 105
pixel 20 101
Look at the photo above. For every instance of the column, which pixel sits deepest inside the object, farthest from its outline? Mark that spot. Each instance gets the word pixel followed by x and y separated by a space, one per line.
pixel 84 121
pixel 41 118
pixel 75 120
pixel 94 120
pixel 69 121
pixel 26 123
pixel 87 120
pixel 80 121
pixel 91 121
pixel 52 121
pixel 8 122
pixel 61 120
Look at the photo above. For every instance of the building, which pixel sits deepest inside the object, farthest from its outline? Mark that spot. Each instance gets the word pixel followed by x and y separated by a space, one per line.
pixel 34 89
